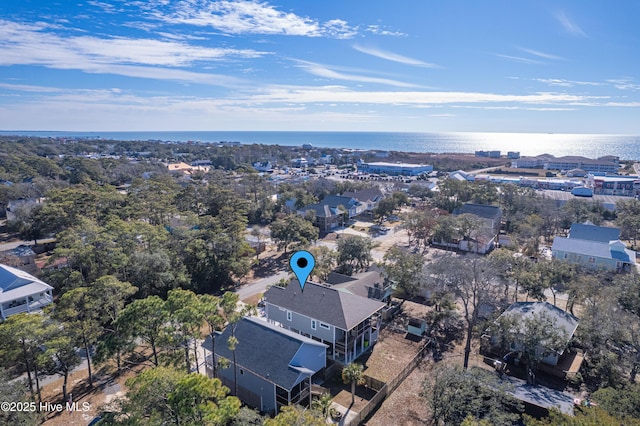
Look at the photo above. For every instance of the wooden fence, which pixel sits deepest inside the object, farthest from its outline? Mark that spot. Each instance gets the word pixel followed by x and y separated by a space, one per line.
pixel 386 389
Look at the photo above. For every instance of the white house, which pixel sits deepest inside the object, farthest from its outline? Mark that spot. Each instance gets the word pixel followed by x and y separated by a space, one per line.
pixel 21 292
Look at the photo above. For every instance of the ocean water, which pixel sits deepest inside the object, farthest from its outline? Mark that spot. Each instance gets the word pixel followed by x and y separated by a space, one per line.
pixel 626 147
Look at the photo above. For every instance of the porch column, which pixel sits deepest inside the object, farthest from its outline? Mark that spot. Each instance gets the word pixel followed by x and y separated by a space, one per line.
pixel 334 343
pixel 2 311
pixel 346 347
pixel 26 299
pixel 354 347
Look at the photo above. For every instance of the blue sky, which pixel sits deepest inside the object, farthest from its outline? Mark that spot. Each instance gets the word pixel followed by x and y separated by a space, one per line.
pixel 375 65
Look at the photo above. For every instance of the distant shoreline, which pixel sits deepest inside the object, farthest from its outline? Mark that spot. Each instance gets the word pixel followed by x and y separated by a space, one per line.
pixel 527 144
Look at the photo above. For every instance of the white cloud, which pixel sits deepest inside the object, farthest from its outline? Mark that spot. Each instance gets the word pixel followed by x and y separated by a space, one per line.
pixel 566 83
pixel 376 29
pixel 252 17
pixel 29 88
pixel 518 59
pixel 335 73
pixel 570 26
pixel 624 84
pixel 541 54
pixel 22 44
pixel 394 57
pixel 342 95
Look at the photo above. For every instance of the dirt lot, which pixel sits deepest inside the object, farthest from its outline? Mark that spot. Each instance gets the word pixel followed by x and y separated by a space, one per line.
pixel 395 349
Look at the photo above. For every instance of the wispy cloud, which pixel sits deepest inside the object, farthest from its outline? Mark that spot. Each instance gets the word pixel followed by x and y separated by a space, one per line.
pixel 570 26
pixel 518 59
pixel 541 54
pixel 24 44
pixel 393 57
pixel 559 82
pixel 626 83
pixel 378 30
pixel 29 88
pixel 343 95
pixel 338 73
pixel 251 17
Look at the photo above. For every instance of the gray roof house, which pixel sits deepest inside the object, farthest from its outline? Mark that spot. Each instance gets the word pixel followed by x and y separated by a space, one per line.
pixel 594 247
pixel 370 284
pixel 347 323
pixel 483 239
pixel 273 367
pixel 21 292
pixel 369 197
pixel 324 217
pixel 353 206
pixel 563 321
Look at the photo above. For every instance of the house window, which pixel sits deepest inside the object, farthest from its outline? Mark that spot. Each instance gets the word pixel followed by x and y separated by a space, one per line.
pixel 325 326
pixel 241 372
pixel 566 255
pixel 289 316
pixel 592 260
pixel 313 324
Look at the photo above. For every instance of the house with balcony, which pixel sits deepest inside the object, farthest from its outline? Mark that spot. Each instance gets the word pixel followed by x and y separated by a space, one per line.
pixel 368 198
pixel 273 366
pixel 21 292
pixel 347 323
pixel 484 236
pixel 594 247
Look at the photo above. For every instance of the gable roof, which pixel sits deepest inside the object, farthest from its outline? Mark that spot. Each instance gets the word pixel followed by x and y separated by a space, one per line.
pixel 337 200
pixel 603 234
pixel 266 350
pixel 369 194
pixel 484 211
pixel 339 308
pixel 15 284
pixel 369 284
pixel 563 320
pixel 608 250
pixel 320 210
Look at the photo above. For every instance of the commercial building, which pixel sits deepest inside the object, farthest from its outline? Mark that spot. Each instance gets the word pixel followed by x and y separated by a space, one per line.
pixel 606 164
pixel 395 169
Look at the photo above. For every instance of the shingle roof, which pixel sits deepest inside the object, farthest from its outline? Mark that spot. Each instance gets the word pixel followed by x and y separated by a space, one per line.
pixel 601 234
pixel 15 284
pixel 366 284
pixel 336 200
pixel 563 320
pixel 609 250
pixel 369 194
pixel 341 309
pixel 481 210
pixel 321 210
pixel 266 350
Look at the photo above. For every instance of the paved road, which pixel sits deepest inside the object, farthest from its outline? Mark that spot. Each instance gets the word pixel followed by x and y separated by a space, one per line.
pixel 260 286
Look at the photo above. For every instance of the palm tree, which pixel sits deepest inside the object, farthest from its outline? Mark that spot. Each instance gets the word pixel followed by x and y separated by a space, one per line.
pixel 354 374
pixel 323 404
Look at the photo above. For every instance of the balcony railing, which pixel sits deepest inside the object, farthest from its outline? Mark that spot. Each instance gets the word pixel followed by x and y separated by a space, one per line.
pixel 28 307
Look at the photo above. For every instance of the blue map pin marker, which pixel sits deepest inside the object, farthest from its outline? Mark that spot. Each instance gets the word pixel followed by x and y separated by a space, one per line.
pixel 302 263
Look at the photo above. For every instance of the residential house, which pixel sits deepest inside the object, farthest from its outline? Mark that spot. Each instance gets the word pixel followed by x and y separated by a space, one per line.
pixel 347 323
pixel 263 166
pixel 565 323
pixel 369 198
pixel 21 206
pixel 273 366
pixel 594 247
pixel 21 292
pixel 371 284
pixel 324 217
pixel 22 257
pixel 350 205
pixel 484 236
